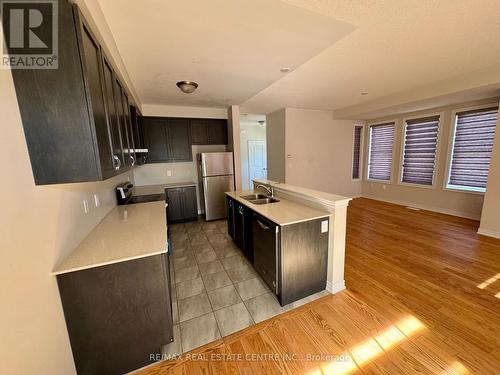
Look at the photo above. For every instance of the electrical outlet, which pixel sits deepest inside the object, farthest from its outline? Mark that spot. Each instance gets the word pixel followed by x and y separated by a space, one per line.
pixel 169 173
pixel 384 187
pixel 128 178
pixel 97 201
pixel 86 206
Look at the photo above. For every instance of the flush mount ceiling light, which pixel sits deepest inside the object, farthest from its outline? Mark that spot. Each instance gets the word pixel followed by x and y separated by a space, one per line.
pixel 364 93
pixel 187 87
pixel 285 69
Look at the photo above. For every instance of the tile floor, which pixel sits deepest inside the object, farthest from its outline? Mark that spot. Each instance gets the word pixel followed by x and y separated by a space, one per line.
pixel 215 291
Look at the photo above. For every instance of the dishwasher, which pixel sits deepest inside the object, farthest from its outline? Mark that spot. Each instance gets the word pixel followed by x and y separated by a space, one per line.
pixel 266 242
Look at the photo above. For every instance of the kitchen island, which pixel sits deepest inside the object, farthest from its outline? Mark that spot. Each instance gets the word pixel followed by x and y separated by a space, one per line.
pixel 286 242
pixel 295 205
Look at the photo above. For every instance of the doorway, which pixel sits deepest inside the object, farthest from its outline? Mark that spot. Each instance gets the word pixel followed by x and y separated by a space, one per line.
pixel 257 163
pixel 253 149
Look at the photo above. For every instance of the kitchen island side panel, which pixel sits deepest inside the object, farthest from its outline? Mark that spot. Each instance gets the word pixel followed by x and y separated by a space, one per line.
pixel 304 259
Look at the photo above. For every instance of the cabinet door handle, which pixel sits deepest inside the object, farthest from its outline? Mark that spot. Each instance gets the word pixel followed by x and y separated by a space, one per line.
pixel 262 225
pixel 133 160
pixel 118 163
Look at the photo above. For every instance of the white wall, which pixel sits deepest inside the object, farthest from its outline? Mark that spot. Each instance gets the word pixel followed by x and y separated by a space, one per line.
pixel 233 134
pixel 438 199
pixel 183 111
pixel 490 217
pixel 39 226
pixel 319 152
pixel 275 145
pixel 250 131
pixel 92 12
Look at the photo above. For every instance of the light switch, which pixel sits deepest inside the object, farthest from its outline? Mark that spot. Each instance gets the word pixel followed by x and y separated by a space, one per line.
pixel 169 173
pixel 324 226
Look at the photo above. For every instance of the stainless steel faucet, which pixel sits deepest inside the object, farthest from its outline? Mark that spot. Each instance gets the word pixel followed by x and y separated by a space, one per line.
pixel 269 189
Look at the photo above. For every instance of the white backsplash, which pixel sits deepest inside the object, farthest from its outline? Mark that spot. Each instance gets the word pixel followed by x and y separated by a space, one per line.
pixel 157 173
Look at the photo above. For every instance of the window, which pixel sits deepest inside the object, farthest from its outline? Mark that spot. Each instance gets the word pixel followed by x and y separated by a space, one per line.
pixel 419 153
pixel 356 152
pixel 473 136
pixel 380 153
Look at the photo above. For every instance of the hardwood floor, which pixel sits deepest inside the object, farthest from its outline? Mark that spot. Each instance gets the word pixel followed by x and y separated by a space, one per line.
pixel 420 299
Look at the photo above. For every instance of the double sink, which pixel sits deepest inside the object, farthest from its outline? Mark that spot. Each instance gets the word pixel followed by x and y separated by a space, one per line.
pixel 259 198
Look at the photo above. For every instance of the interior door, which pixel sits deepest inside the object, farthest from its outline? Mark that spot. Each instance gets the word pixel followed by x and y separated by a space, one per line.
pixel 257 161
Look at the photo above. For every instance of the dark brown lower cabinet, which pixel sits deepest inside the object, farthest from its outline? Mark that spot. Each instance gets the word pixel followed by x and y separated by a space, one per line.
pixel 182 204
pixel 119 315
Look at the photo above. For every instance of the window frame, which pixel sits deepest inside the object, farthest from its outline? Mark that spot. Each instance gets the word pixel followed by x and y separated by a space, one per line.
pixel 367 174
pixel 451 146
pixel 436 159
pixel 361 150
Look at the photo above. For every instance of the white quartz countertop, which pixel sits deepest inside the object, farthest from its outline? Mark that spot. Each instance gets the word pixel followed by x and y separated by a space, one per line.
pixel 160 188
pixel 127 232
pixel 328 199
pixel 284 212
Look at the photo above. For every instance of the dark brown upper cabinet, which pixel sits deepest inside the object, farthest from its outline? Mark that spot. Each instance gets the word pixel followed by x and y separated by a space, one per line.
pixel 167 139
pixel 112 114
pixel 155 139
pixel 208 131
pixel 137 135
pixel 178 138
pixel 74 126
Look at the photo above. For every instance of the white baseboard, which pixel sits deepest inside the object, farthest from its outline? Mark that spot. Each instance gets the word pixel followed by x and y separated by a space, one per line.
pixel 446 211
pixel 488 232
pixel 335 288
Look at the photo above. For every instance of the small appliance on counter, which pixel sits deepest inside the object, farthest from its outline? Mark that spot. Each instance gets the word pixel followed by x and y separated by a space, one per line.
pixel 125 195
pixel 216 175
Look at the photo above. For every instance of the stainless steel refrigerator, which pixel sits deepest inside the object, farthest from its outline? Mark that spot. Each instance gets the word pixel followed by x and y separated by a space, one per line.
pixel 216 175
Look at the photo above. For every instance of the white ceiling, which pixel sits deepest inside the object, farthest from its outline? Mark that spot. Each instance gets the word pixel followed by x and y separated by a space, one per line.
pixel 338 48
pixel 232 48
